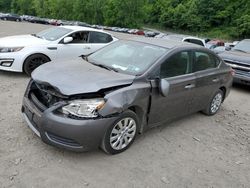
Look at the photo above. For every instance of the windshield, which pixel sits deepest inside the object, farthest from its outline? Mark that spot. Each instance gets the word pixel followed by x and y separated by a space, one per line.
pixel 243 46
pixel 128 56
pixel 53 34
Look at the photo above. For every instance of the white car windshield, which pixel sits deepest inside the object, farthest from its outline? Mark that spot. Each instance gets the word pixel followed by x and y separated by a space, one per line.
pixel 128 56
pixel 53 34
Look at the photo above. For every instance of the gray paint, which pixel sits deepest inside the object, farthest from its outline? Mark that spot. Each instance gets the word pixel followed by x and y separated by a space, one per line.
pixel 236 56
pixel 78 76
pixel 139 93
pixel 240 62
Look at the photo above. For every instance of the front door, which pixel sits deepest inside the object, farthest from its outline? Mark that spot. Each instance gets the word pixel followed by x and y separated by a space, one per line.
pixel 176 70
pixel 79 46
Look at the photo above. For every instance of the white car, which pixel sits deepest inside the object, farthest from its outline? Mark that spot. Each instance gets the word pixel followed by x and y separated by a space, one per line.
pixel 195 40
pixel 186 38
pixel 24 53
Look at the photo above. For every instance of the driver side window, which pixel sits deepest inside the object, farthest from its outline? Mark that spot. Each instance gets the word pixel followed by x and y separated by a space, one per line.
pixel 79 37
pixel 176 65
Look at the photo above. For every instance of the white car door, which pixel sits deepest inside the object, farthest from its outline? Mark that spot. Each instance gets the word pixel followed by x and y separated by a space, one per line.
pixel 84 43
pixel 78 46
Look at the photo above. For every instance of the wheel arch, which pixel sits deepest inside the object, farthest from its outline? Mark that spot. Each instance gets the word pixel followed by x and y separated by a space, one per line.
pixel 140 114
pixel 32 55
pixel 224 90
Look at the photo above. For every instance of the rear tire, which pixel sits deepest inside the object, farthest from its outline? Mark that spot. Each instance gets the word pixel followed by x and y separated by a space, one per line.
pixel 214 104
pixel 120 136
pixel 34 61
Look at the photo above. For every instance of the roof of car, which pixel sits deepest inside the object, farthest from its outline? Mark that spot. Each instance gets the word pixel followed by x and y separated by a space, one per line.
pixel 81 28
pixel 165 43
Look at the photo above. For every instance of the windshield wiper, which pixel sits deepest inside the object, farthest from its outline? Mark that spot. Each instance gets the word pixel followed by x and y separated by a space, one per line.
pixel 105 67
pixel 240 50
pixel 85 57
pixel 36 36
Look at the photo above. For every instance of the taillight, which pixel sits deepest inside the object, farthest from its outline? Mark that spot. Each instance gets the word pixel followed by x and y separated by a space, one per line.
pixel 232 72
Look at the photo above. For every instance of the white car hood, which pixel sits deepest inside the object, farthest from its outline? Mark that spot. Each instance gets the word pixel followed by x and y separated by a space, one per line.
pixel 21 40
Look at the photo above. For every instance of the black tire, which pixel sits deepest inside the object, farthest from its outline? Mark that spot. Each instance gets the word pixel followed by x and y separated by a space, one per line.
pixel 34 61
pixel 215 103
pixel 130 116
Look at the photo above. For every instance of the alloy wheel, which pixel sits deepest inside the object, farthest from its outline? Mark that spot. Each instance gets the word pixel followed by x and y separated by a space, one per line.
pixel 123 133
pixel 216 103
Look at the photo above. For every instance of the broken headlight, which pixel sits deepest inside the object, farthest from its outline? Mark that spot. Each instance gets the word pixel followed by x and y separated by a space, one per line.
pixel 10 49
pixel 86 108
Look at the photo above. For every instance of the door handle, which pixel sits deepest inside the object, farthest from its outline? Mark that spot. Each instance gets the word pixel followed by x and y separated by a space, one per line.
pixel 216 80
pixel 86 47
pixel 189 86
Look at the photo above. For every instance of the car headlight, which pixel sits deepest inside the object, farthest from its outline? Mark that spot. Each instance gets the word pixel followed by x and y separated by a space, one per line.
pixel 86 108
pixel 10 49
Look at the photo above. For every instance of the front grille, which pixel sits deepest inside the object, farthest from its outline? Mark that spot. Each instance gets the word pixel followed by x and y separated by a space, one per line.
pixel 239 66
pixel 62 140
pixel 37 103
pixel 42 97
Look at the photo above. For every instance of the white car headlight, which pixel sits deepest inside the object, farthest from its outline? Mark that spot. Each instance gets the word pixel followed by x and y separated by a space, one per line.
pixel 84 108
pixel 10 49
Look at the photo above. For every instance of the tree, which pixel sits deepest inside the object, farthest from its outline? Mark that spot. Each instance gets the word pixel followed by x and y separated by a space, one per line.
pixel 192 15
pixel 122 13
pixel 5 5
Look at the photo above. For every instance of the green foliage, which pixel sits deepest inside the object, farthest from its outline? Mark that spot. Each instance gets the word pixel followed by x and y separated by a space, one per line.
pixel 5 5
pixel 231 16
pixel 122 13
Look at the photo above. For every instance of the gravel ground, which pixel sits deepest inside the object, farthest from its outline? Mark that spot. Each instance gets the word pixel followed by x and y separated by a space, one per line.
pixel 196 151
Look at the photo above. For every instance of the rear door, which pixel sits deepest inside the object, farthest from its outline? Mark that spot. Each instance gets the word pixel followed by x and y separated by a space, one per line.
pixel 208 78
pixel 176 70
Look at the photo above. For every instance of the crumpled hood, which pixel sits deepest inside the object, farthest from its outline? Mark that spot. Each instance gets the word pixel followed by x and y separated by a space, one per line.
pixel 78 77
pixel 21 40
pixel 236 56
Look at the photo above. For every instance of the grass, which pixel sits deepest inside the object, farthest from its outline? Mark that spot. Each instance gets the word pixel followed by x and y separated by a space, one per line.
pixel 223 33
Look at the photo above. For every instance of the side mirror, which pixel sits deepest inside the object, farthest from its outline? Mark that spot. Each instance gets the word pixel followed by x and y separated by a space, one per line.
pixel 164 87
pixel 67 40
pixel 227 48
pixel 85 57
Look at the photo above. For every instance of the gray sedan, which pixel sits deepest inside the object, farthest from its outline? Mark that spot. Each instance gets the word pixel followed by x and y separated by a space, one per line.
pixel 106 99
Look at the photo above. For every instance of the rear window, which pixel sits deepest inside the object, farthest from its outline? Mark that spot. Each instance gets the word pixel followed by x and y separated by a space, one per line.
pixel 204 61
pixel 98 37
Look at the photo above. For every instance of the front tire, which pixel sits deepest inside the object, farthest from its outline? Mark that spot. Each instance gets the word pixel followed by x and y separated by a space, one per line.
pixel 34 61
pixel 215 103
pixel 121 134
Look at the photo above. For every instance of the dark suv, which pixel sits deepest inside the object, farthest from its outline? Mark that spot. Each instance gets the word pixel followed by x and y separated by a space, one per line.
pixel 121 90
pixel 239 59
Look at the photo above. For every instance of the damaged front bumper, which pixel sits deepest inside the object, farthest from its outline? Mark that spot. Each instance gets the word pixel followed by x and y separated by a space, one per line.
pixel 60 131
